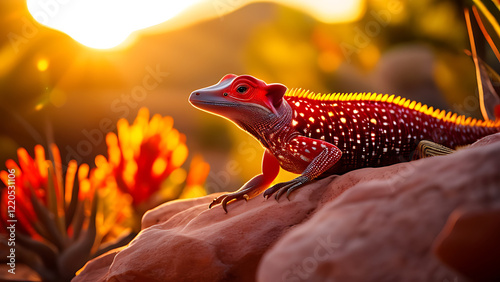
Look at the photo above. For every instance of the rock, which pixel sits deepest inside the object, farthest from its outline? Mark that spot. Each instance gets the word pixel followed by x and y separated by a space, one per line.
pixel 372 224
pixel 384 229
pixel 201 244
pixel 469 242
pixel 96 269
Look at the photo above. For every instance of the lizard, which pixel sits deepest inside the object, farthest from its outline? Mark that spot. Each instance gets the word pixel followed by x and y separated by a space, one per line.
pixel 317 135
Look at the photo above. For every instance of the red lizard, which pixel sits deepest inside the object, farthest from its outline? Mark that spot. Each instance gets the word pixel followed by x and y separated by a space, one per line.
pixel 317 135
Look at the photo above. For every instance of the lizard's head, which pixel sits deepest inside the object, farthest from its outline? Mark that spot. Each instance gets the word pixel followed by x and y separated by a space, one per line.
pixel 236 97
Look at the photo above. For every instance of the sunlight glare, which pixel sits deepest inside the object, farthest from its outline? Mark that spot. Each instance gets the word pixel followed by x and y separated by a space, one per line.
pixel 329 11
pixel 104 24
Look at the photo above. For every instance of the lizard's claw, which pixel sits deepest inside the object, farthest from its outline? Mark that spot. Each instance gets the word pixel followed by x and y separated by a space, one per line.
pixel 287 187
pixel 226 198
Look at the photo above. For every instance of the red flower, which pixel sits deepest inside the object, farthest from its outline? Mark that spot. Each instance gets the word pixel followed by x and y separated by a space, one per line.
pixel 53 217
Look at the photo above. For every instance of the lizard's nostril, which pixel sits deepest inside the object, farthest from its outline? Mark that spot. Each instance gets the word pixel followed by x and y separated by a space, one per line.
pixel 197 93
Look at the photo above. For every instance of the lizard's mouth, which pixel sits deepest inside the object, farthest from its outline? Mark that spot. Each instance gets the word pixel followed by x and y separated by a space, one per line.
pixel 197 103
pixel 203 99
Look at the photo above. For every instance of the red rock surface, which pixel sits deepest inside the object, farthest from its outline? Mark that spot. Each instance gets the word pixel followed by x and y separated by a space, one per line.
pixel 469 242
pixel 373 224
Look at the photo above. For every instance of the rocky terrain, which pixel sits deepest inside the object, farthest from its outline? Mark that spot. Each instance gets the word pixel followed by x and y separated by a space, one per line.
pixel 435 219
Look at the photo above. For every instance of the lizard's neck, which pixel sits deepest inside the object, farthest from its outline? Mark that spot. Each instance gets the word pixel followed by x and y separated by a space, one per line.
pixel 269 128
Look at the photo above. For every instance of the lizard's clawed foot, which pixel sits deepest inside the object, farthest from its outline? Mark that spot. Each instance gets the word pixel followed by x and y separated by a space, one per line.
pixel 226 198
pixel 287 187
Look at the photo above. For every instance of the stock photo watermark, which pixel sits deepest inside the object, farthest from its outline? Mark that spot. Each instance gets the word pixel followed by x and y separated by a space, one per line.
pixel 123 106
pixel 223 7
pixel 219 181
pixel 11 221
pixel 469 105
pixel 29 30
pixel 324 249
pixel 363 36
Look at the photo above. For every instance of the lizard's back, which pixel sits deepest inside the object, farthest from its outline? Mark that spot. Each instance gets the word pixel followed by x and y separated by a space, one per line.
pixel 378 130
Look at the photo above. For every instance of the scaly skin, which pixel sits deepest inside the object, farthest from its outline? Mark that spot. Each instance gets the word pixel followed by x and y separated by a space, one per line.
pixel 316 135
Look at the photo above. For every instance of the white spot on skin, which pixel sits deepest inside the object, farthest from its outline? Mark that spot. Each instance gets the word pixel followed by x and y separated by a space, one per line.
pixel 304 158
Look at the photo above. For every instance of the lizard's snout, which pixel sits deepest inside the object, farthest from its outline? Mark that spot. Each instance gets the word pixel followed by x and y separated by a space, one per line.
pixel 201 97
pixel 193 96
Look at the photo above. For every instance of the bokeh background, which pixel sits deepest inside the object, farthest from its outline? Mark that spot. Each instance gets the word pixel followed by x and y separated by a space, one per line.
pixel 55 89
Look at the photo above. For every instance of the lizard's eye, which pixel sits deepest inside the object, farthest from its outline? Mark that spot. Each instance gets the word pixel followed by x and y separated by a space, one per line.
pixel 242 89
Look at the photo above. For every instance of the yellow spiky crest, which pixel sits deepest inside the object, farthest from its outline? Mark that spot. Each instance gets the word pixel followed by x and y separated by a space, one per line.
pixel 397 100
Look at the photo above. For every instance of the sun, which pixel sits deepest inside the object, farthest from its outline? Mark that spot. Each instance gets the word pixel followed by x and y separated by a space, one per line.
pixel 104 24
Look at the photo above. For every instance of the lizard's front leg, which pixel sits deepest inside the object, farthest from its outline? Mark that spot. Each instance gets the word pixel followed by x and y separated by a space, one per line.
pixel 321 156
pixel 270 169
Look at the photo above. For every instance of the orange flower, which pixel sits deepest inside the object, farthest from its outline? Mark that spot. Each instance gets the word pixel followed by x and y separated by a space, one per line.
pixel 143 155
pixel 74 215
pixel 198 172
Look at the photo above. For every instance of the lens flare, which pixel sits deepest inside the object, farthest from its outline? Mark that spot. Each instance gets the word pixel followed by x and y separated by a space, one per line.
pixel 42 65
